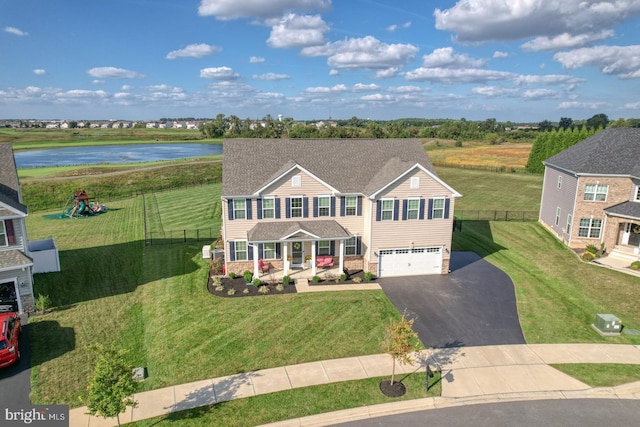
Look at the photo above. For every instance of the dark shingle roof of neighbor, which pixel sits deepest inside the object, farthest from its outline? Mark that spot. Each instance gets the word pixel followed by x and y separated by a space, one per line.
pixel 9 184
pixel 625 209
pixel 348 165
pixel 610 152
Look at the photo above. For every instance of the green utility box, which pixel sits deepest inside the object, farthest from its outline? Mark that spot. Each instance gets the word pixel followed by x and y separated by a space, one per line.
pixel 607 323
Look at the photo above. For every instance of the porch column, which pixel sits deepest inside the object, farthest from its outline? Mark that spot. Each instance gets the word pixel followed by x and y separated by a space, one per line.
pixel 256 270
pixel 313 258
pixel 285 250
pixel 341 263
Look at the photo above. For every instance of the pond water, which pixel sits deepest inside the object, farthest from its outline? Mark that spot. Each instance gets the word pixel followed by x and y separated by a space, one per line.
pixel 112 154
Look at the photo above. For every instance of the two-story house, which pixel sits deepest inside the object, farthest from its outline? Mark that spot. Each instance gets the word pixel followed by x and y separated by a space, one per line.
pixel 591 192
pixel 370 204
pixel 16 283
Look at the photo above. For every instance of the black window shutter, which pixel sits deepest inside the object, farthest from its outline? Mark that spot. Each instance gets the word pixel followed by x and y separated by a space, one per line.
pixel 278 250
pixel 343 206
pixel 358 245
pixel 230 209
pixel 333 206
pixel 396 208
pixel 332 247
pixel 446 208
pixel 315 207
pixel 260 251
pixel 232 251
pixel 378 210
pixel 405 206
pixel 249 252
pixel 421 213
pixel 287 207
pixel 249 209
pixel 305 207
pixel 11 233
pixel 259 208
pixel 277 202
pixel 359 207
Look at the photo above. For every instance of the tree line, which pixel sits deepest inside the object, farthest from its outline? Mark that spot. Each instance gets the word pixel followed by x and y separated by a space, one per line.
pixel 550 143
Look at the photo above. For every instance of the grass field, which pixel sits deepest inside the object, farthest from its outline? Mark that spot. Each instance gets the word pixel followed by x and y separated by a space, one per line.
pixel 508 155
pixel 153 300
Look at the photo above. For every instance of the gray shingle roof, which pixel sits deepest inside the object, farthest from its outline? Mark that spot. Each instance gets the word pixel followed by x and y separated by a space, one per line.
pixel 14 259
pixel 610 152
pixel 9 184
pixel 348 165
pixel 625 209
pixel 276 230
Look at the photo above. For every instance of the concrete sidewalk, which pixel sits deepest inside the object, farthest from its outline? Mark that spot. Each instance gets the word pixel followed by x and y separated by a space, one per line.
pixel 469 375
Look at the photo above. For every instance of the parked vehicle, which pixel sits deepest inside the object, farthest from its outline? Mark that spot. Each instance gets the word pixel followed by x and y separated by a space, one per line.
pixel 9 338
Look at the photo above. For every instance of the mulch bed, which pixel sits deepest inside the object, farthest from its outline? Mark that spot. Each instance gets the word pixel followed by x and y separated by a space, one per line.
pixel 358 275
pixel 396 390
pixel 241 289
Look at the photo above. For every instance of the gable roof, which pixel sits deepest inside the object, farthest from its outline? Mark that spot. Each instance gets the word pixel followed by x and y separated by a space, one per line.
pixel 610 152
pixel 9 185
pixel 348 165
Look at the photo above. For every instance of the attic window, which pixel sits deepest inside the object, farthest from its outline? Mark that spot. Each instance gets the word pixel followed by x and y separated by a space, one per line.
pixel 296 181
pixel 415 182
pixel 637 199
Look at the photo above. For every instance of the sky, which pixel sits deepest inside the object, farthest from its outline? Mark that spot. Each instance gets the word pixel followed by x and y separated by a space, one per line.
pixel 512 60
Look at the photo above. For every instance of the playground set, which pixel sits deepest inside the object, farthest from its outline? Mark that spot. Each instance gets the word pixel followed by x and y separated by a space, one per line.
pixel 79 205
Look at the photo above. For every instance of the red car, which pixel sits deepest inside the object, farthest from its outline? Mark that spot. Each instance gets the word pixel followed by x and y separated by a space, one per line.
pixel 9 338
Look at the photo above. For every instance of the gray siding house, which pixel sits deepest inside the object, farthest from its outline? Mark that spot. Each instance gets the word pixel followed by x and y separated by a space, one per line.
pixel 591 192
pixel 358 204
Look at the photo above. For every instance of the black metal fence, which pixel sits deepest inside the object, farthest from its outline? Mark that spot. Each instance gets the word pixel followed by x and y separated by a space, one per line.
pixel 180 236
pixel 496 215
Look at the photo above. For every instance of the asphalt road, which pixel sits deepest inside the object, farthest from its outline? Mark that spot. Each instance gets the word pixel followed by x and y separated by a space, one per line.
pixel 15 380
pixel 474 305
pixel 565 413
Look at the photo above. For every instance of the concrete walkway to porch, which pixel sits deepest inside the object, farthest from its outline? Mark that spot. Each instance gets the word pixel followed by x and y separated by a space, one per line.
pixel 619 259
pixel 302 285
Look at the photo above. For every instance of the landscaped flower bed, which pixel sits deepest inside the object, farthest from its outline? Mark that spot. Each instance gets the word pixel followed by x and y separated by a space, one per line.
pixel 227 287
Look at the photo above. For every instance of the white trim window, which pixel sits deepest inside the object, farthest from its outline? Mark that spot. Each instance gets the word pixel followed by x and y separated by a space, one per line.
pixel 4 241
pixel 558 211
pixel 324 247
pixel 269 250
pixel 350 247
pixel 240 248
pixel 239 209
pixel 296 181
pixel 569 221
pixel 637 199
pixel 590 228
pixel 559 181
pixel 297 210
pixel 386 209
pixel 414 184
pixel 413 208
pixel 324 206
pixel 351 205
pixel 269 207
pixel 438 208
pixel 596 192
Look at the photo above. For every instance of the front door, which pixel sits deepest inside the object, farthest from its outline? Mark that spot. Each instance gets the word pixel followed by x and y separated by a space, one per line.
pixel 297 254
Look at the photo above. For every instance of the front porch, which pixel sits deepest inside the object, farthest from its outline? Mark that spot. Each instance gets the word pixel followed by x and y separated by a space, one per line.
pixel 275 275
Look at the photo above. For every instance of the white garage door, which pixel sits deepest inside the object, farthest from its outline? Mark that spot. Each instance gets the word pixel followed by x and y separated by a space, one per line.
pixel 409 262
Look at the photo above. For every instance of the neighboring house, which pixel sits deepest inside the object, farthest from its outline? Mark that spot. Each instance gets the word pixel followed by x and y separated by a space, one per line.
pixel 372 205
pixel 16 283
pixel 591 192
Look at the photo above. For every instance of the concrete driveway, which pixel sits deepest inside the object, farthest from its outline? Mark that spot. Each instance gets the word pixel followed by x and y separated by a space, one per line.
pixel 474 305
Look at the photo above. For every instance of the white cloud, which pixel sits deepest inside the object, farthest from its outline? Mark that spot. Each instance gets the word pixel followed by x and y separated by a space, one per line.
pixel 234 9
pixel 271 76
pixel 392 28
pixel 199 50
pixel 363 53
pixel 113 73
pixel 15 31
pixel 256 59
pixel 334 72
pixel 97 82
pixel 446 58
pixel 326 89
pixel 564 41
pixel 377 97
pixel 583 105
pixel 623 61
pixel 485 20
pixel 361 87
pixel 388 73
pixel 405 89
pixel 298 31
pixel 632 105
pixel 533 94
pixel 219 73
pixel 494 91
pixel 448 75
pixel 547 79
pixel 126 87
pixel 164 88
pixel 499 55
pixel 406 24
pixel 39 71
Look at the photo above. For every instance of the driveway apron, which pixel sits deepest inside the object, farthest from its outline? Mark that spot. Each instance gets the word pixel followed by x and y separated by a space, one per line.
pixel 474 305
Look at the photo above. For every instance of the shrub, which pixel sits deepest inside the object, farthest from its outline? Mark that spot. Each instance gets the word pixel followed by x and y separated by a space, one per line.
pixel 588 256
pixel 245 291
pixel 263 289
pixel 219 288
pixel 43 302
pixel 232 275
pixel 592 249
pixel 216 281
pixel 459 143
pixel 216 266
pixel 257 282
pixel 368 276
pixel 248 276
pixel 280 287
pixel 356 280
pixel 231 291
pixel 315 279
pixel 635 265
pixel 286 280
pixel 343 277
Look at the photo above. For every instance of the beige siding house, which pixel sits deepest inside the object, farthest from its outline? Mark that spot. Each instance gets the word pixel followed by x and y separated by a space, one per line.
pixel 365 204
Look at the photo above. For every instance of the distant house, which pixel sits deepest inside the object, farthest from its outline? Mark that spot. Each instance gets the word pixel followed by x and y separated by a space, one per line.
pixel 591 192
pixel 362 204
